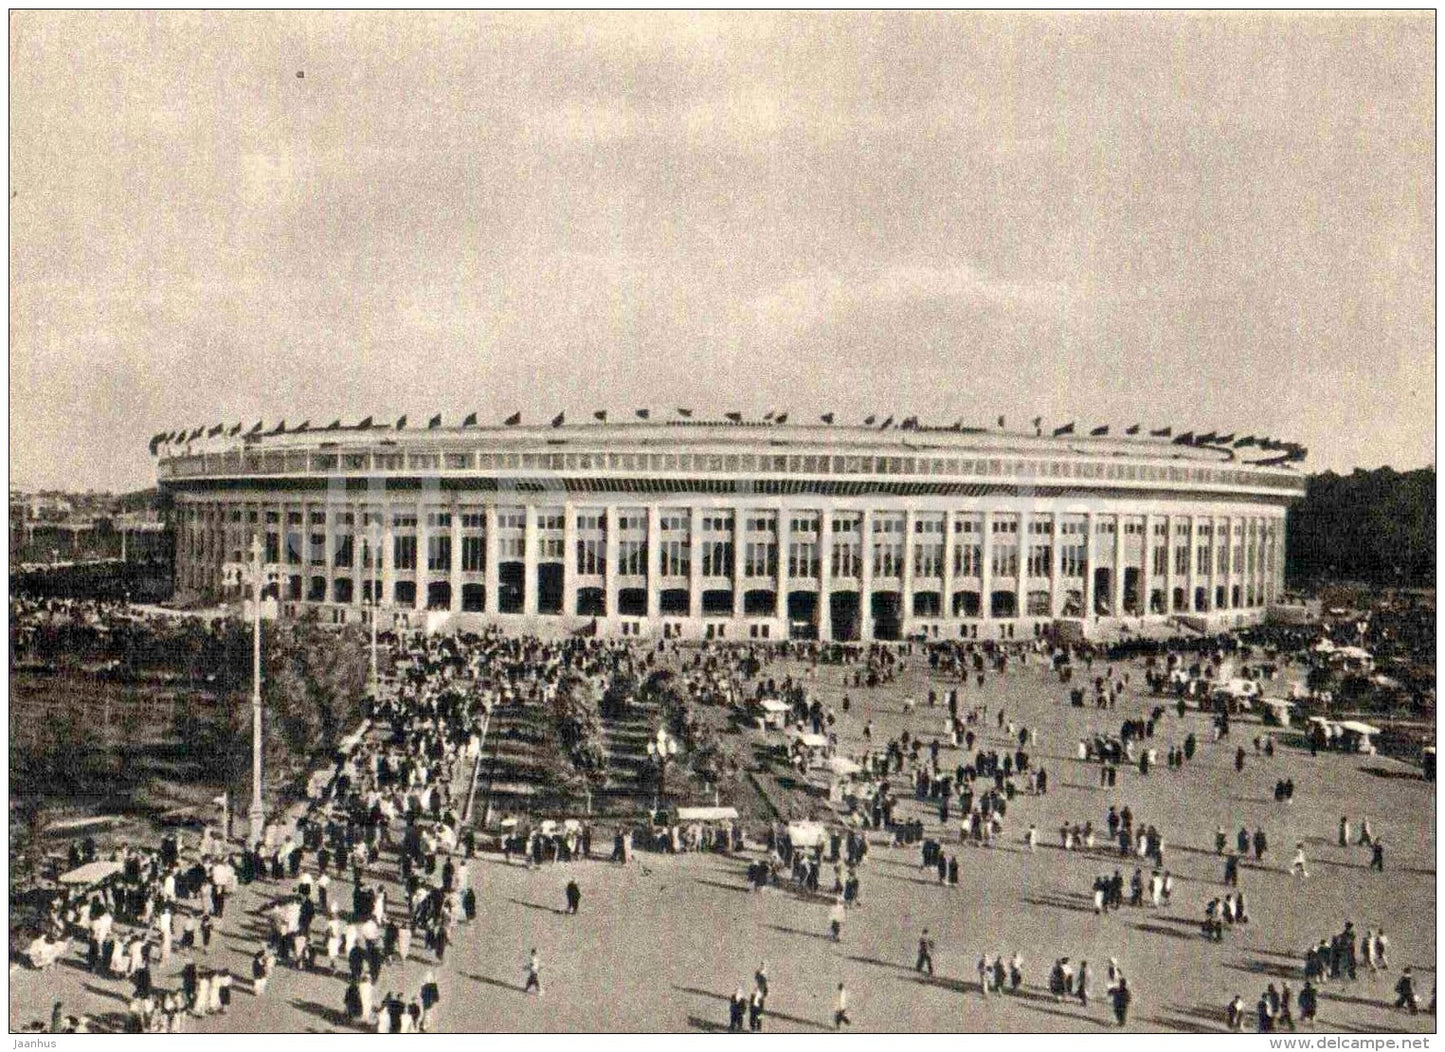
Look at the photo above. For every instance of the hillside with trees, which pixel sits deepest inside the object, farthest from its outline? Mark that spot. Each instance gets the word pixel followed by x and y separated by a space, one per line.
pixel 1372 526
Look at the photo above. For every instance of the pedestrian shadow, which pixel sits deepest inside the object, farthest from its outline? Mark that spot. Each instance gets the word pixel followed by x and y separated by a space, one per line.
pixel 701 993
pixel 539 906
pixel 1073 1017
pixel 1058 902
pixel 707 1026
pixel 881 964
pixel 100 991
pixel 500 984
pixel 957 986
pixel 1173 933
pixel 332 1016
pixel 799 931
pixel 746 889
pixel 912 880
pixel 1198 1019
pixel 1343 999
pixel 1273 969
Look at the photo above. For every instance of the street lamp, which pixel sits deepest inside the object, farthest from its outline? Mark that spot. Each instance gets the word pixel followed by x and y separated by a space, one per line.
pixel 660 750
pixel 375 607
pixel 258 809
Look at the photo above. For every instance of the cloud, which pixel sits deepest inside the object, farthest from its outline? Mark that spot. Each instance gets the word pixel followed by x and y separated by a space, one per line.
pixel 804 302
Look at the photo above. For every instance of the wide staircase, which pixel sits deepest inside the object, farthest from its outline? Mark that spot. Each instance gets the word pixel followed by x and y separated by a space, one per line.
pixel 630 780
pixel 513 776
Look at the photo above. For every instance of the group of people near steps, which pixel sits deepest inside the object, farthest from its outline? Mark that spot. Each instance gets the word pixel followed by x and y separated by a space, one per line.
pixel 406 771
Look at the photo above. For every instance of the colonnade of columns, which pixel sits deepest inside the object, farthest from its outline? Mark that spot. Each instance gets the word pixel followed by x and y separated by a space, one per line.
pixel 907 570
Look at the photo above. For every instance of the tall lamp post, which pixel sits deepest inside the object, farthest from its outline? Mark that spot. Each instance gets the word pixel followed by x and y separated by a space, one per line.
pixel 375 609
pixel 258 809
pixel 660 750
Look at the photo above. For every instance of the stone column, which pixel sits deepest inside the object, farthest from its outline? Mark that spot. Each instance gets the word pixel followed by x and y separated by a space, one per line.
pixel 493 600
pixel 455 570
pixel 694 563
pixel 1025 543
pixel 1214 563
pixel 784 538
pixel 1089 522
pixel 609 583
pixel 328 543
pixel 388 558
pixel 945 603
pixel 739 543
pixel 1119 565
pixel 865 577
pixel 825 575
pixel 654 563
pixel 423 571
pixel 1056 566
pixel 1194 562
pixel 905 579
pixel 985 570
pixel 529 561
pixel 1146 571
pixel 1169 572
pixel 569 559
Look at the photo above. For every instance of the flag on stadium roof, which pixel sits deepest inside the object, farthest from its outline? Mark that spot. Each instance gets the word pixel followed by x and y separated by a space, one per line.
pixel 434 423
pixel 280 428
pixel 782 418
pixel 642 414
pixel 305 425
pixel 335 425
pixel 601 415
pixel 768 416
pixel 1101 430
pixel 558 420
pixel 1247 440
pixel 1001 424
pixel 256 429
pixel 470 421
pixel 401 422
pixel 1163 432
pixel 1134 430
pixel 868 421
pixel 513 420
pixel 364 424
pixel 686 414
pixel 216 430
pixel 234 431
pixel 827 418
pixel 1067 429
pixel 1184 438
pixel 736 418
pixel 886 424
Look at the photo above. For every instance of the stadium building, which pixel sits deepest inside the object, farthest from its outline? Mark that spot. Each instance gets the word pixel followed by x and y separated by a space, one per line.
pixel 734 531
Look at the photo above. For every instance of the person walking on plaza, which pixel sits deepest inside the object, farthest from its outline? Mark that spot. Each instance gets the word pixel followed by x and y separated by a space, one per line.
pixel 534 973
pixel 836 916
pixel 1298 866
pixel 840 1015
pixel 1377 856
pixel 574 897
pixel 1122 997
pixel 925 953
pixel 737 1009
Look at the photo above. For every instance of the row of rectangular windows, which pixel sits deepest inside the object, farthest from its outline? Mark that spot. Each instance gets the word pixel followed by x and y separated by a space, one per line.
pixel 515 519
pixel 256 462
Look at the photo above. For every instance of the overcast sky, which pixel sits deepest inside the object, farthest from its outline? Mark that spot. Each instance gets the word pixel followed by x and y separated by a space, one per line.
pixel 1211 221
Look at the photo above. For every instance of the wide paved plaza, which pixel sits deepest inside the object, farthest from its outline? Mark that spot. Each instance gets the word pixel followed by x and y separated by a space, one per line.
pixel 660 944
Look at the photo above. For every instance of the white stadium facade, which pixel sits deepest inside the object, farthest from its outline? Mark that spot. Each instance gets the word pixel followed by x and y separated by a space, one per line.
pixel 723 530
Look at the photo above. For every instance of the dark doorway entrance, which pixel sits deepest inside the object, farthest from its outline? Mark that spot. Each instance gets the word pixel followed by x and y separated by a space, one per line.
pixel 843 609
pixel 887 615
pixel 511 582
pixel 549 588
pixel 802 615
